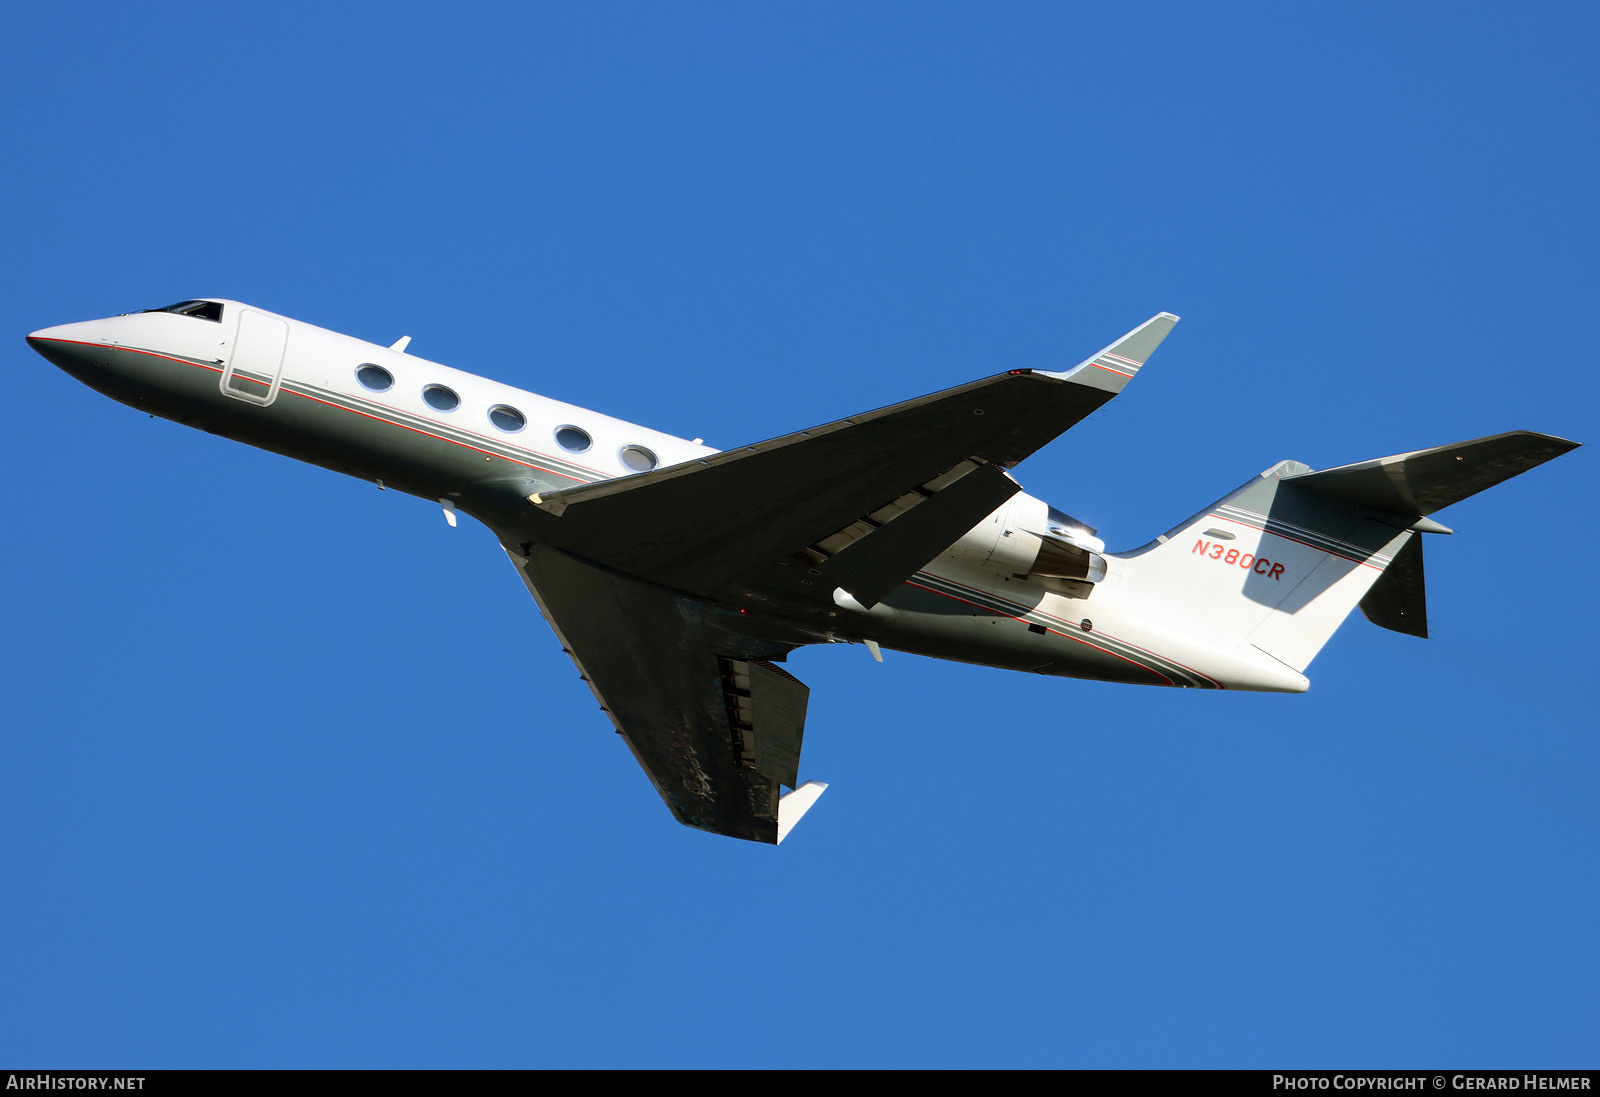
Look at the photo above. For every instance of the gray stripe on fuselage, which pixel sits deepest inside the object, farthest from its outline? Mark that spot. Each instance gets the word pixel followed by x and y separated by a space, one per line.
pixel 459 435
pixel 1310 536
pixel 331 430
pixel 405 419
pixel 1156 664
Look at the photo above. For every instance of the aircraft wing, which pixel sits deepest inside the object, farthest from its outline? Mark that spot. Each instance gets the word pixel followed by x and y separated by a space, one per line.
pixel 646 579
pixel 715 724
pixel 862 503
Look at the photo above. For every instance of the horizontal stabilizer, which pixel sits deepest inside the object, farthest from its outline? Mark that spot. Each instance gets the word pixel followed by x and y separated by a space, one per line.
pixel 795 804
pixel 1398 600
pixel 1427 480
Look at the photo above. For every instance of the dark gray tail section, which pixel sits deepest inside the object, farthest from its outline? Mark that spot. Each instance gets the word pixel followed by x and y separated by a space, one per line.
pixel 1398 601
pixel 1420 483
pixel 1426 480
pixel 1281 562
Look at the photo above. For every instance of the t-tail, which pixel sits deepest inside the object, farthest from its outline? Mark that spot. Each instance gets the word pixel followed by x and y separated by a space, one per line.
pixel 1281 562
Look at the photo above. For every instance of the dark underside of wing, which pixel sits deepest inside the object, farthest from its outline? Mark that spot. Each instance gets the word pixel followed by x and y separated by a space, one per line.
pixel 716 726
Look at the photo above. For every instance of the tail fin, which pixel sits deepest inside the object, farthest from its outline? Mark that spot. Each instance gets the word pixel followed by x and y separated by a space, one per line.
pixel 1282 561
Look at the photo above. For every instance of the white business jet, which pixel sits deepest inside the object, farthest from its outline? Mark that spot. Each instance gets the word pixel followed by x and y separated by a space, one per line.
pixel 678 577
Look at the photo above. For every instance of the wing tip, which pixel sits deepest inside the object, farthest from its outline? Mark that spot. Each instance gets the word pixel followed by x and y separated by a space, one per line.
pixel 1112 368
pixel 792 806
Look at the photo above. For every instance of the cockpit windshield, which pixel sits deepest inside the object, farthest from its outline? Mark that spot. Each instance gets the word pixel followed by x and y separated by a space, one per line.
pixel 200 310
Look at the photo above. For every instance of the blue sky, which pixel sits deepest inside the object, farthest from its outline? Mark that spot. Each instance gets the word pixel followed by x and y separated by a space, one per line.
pixel 294 775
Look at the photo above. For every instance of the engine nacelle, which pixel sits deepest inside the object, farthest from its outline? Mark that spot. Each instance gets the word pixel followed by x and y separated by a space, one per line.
pixel 1027 536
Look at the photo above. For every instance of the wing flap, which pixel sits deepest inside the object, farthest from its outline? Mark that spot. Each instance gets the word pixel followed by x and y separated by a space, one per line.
pixel 767 715
pixel 873 566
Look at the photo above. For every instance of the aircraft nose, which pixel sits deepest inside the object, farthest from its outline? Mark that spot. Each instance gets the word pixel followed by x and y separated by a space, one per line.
pixel 65 345
pixel 60 333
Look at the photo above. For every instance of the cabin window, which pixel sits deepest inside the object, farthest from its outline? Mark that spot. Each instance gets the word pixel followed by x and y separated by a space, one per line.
pixel 638 458
pixel 507 419
pixel 572 439
pixel 200 310
pixel 440 398
pixel 374 377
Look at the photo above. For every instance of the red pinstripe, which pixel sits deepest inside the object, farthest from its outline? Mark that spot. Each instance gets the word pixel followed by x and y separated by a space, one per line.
pixel 353 411
pixel 1078 639
pixel 1296 540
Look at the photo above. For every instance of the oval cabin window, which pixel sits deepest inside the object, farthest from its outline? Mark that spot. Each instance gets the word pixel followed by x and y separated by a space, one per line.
pixel 440 398
pixel 507 419
pixel 375 378
pixel 638 458
pixel 572 439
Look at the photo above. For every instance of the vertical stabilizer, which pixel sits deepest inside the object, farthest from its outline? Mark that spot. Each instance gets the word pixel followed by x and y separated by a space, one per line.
pixel 1283 560
pixel 1269 565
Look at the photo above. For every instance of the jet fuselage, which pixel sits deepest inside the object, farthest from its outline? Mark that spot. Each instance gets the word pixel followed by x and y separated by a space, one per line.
pixel 484 448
